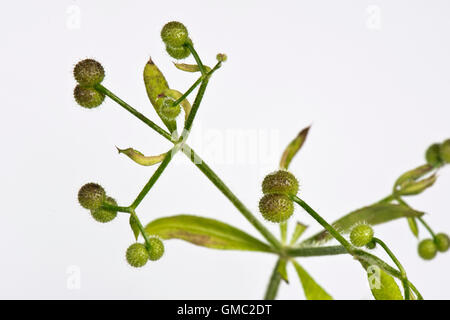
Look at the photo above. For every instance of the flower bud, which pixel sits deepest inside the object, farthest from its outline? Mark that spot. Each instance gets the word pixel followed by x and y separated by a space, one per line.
pixel 442 242
pixel 88 97
pixel 276 207
pixel 427 249
pixel 91 196
pixel 137 255
pixel 361 235
pixel 432 155
pixel 174 34
pixel 156 249
pixel 280 181
pixel 103 215
pixel 88 72
pixel 445 151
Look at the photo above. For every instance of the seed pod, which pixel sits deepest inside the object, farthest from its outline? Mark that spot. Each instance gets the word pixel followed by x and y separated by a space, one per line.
pixel 280 181
pixel 361 235
pixel 88 72
pixel 432 155
pixel 156 249
pixel 174 34
pixel 103 215
pixel 137 255
pixel 427 249
pixel 445 151
pixel 156 86
pixel 276 207
pixel 141 159
pixel 88 97
pixel 91 196
pixel 442 242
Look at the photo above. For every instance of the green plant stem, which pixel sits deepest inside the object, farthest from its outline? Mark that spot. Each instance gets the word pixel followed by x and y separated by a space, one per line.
pixel 324 224
pixel 211 175
pixel 283 231
pixel 141 228
pixel 111 207
pixel 133 111
pixel 153 178
pixel 315 251
pixel 398 264
pixel 389 198
pixel 274 283
pixel 196 57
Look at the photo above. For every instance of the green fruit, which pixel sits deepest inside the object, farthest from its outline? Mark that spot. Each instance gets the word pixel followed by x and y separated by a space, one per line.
pixel 168 111
pixel 427 249
pixel 361 235
pixel 91 196
pixel 103 215
pixel 282 182
pixel 174 34
pixel 88 73
pixel 156 249
pixel 221 57
pixel 88 97
pixel 442 242
pixel 445 151
pixel 276 207
pixel 432 155
pixel 137 255
pixel 179 52
pixel 371 245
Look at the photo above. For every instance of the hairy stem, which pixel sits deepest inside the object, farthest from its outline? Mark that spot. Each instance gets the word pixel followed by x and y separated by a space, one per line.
pixel 315 251
pixel 274 283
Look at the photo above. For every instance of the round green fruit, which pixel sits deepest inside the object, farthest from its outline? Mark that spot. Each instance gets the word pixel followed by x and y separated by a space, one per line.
pixel 276 207
pixel 282 182
pixel 137 255
pixel 156 249
pixel 88 97
pixel 103 215
pixel 427 249
pixel 174 34
pixel 91 196
pixel 88 72
pixel 442 242
pixel 361 235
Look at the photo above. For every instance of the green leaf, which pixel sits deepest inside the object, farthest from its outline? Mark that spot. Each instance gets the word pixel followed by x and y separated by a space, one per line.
pixel 282 270
pixel 141 159
pixel 376 214
pixel 293 147
pixel 313 291
pixel 283 231
pixel 134 227
pixel 411 176
pixel 413 226
pixel 382 285
pixel 205 232
pixel 299 229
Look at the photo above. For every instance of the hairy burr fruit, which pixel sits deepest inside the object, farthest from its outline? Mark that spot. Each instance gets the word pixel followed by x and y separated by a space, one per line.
pixel 88 73
pixel 276 207
pixel 361 235
pixel 281 181
pixel 444 151
pixel 427 249
pixel 156 249
pixel 433 156
pixel 137 255
pixel 88 97
pixel 442 242
pixel 168 111
pixel 174 34
pixel 103 215
pixel 91 196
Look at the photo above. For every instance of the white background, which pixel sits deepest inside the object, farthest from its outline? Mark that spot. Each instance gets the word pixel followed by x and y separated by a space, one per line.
pixel 371 76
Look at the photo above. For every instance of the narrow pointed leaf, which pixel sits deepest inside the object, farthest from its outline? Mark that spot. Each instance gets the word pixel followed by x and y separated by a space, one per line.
pixel 412 222
pixel 412 175
pixel 205 232
pixel 382 285
pixel 418 187
pixel 283 231
pixel 282 270
pixel 190 67
pixel 298 231
pixel 134 227
pixel 293 147
pixel 376 214
pixel 141 159
pixel 313 291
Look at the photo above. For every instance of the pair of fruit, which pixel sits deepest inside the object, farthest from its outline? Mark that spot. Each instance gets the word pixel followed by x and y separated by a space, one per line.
pixel 92 196
pixel 138 254
pixel 438 153
pixel 88 73
pixel 276 205
pixel 428 248
pixel 175 35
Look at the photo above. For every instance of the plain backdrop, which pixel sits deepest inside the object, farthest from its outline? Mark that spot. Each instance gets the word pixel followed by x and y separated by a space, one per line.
pixel 372 77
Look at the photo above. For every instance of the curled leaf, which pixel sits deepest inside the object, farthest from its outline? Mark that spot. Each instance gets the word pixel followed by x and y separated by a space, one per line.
pixel 293 147
pixel 313 291
pixel 141 159
pixel 190 67
pixel 205 232
pixel 174 94
pixel 417 187
pixel 376 214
